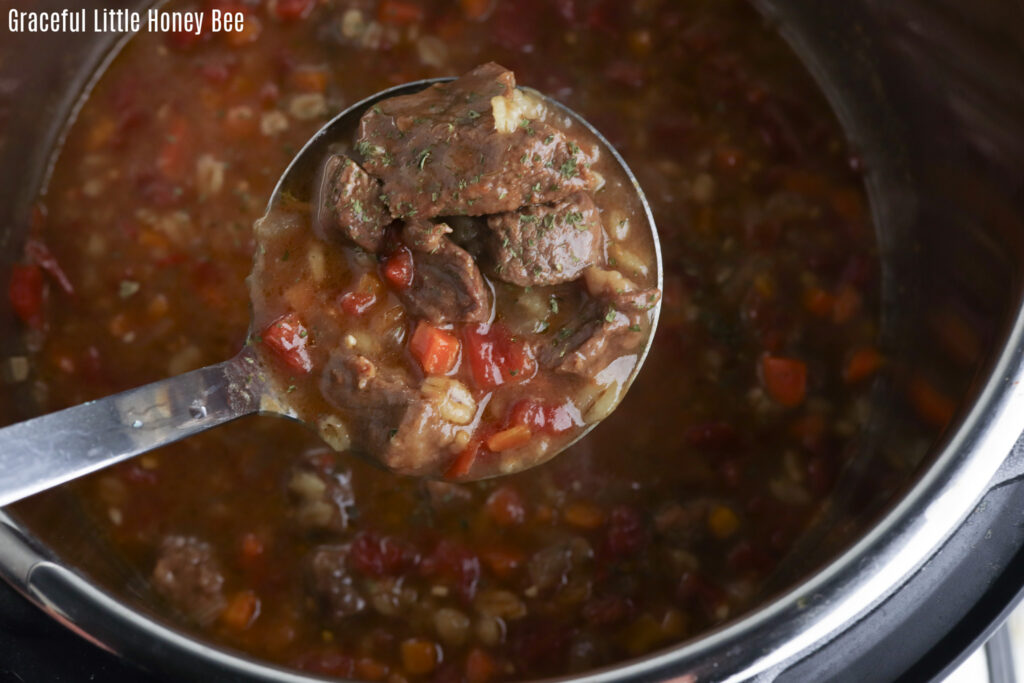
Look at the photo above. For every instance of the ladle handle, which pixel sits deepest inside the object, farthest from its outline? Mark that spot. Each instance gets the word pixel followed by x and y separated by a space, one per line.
pixel 46 451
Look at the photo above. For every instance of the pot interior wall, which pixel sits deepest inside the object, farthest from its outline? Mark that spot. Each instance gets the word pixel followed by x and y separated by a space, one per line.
pixel 927 95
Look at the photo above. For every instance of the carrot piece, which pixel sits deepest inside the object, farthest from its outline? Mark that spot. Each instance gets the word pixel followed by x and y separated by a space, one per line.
pixel 863 363
pixel 480 666
pixel 463 461
pixel 369 669
pixel 785 379
pixel 252 546
pixel 476 10
pixel 505 506
pixel 241 611
pixel 419 656
pixel 722 521
pixel 506 439
pixel 309 79
pixel 931 405
pixel 435 349
pixel 583 514
pixel 503 562
pixel 847 305
pixel 819 302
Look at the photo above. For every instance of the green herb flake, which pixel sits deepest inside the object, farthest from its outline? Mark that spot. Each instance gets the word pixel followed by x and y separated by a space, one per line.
pixel 635 328
pixel 569 169
pixel 549 139
pixel 553 304
pixel 286 255
pixel 473 114
pixel 609 317
pixel 422 161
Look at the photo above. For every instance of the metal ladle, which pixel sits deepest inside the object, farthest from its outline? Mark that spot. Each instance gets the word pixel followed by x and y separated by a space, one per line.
pixel 47 451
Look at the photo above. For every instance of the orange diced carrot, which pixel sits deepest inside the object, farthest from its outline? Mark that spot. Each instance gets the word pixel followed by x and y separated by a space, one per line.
pixel 513 437
pixel 847 304
pixel 435 349
pixel 584 515
pixel 785 379
pixel 931 405
pixel 505 506
pixel 476 10
pixel 863 363
pixel 480 666
pixel 309 79
pixel 241 611
pixel 503 562
pixel 463 461
pixel 419 656
pixel 819 302
pixel 369 669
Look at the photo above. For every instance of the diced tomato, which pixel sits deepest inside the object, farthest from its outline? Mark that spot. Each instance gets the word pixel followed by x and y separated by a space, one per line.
pixel 398 268
pixel 785 379
pixel 288 338
pixel 930 403
pixel 505 506
pixel 369 669
pixel 538 417
pixel 456 563
pixel 27 293
pixel 252 547
pixel 40 254
pixel 847 305
pixel 863 363
pixel 497 358
pixel 377 556
pixel 290 10
pixel 819 302
pixel 626 533
pixel 529 413
pixel 399 12
pixel 434 348
pixel 357 303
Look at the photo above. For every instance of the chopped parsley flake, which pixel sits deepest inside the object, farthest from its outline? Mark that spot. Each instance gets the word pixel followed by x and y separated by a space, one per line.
pixel 610 315
pixel 569 169
pixel 634 328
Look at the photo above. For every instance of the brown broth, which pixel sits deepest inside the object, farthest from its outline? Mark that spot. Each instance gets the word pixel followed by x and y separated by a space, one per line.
pixel 687 496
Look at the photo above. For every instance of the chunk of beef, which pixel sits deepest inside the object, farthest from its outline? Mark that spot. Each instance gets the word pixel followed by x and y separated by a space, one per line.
pixel 474 146
pixel 332 583
pixel 349 206
pixel 554 566
pixel 403 429
pixel 445 495
pixel 548 244
pixel 447 286
pixel 613 325
pixel 320 498
pixel 188 576
pixel 423 235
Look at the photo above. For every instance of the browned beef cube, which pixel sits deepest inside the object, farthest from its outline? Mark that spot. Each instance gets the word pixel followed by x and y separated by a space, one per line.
pixel 403 428
pixel 333 584
pixel 349 205
pixel 472 147
pixel 188 576
pixel 547 244
pixel 613 326
pixel 447 286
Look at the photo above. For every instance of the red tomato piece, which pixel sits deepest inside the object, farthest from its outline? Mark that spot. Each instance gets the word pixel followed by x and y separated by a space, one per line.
pixel 398 268
pixel 27 294
pixel 399 12
pixel 288 338
pixel 496 358
pixel 785 379
pixel 434 348
pixel 357 303
pixel 529 413
pixel 457 564
pixel 375 555
pixel 290 10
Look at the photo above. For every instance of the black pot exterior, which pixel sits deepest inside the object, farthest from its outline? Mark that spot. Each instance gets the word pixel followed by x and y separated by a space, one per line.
pixel 929 93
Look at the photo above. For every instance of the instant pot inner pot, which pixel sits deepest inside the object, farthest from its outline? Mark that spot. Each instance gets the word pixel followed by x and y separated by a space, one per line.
pixel 949 239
